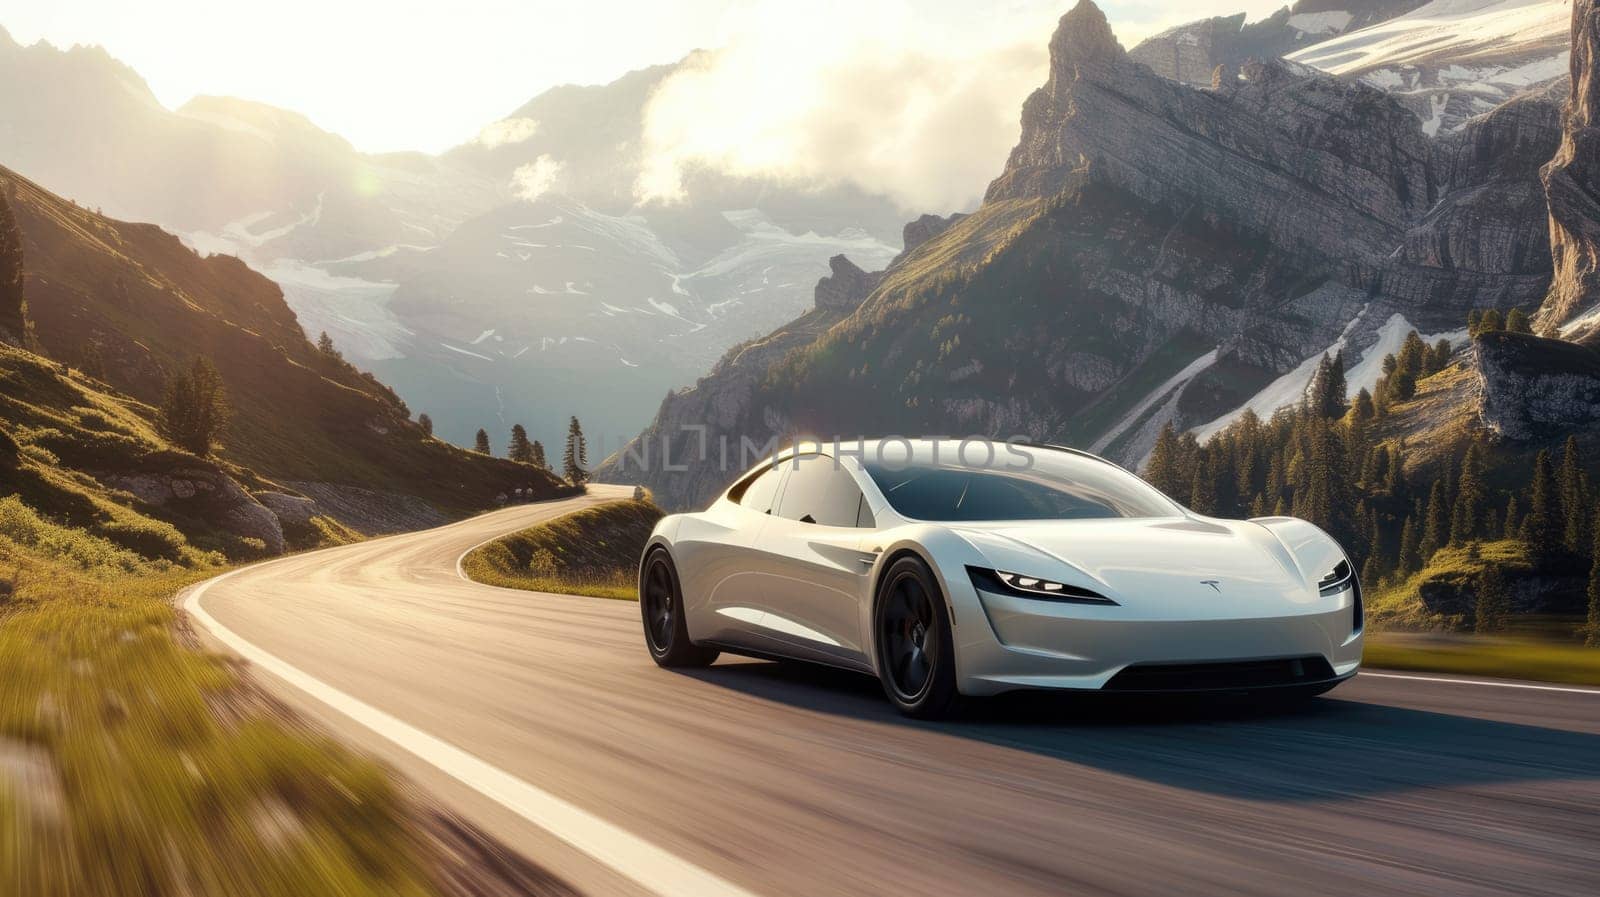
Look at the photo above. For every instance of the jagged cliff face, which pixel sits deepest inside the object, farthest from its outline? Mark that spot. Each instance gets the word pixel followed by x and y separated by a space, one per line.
pixel 1259 152
pixel 1572 186
pixel 1150 253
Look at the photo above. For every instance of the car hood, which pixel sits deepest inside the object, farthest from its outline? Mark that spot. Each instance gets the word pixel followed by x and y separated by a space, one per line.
pixel 1159 566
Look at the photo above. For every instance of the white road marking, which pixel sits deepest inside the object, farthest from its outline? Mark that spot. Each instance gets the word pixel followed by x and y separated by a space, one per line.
pixel 1527 685
pixel 654 869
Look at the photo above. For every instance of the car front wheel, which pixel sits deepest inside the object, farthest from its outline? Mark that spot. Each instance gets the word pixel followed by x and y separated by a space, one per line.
pixel 916 655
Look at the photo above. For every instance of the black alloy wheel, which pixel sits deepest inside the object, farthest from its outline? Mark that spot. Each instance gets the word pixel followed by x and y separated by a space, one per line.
pixel 916 658
pixel 661 608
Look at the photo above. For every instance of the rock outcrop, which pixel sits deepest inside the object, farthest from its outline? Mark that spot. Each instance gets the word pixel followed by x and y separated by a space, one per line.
pixel 201 490
pixel 925 228
pixel 844 289
pixel 1536 388
pixel 1572 187
pixel 291 510
pixel 1529 592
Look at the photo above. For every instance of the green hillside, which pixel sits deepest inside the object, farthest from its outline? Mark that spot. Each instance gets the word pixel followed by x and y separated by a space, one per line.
pixel 593 552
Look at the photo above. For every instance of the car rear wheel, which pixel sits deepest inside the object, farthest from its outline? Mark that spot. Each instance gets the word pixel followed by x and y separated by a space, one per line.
pixel 916 655
pixel 666 632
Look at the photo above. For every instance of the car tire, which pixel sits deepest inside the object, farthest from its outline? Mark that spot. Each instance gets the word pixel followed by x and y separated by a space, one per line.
pixel 666 632
pixel 911 635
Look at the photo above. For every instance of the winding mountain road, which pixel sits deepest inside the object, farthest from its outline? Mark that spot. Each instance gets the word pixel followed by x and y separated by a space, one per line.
pixel 542 719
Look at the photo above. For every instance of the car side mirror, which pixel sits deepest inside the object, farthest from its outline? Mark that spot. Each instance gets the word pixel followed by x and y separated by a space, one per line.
pixel 808 519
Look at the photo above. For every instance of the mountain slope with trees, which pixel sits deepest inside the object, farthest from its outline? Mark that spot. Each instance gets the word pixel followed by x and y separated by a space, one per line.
pixel 130 305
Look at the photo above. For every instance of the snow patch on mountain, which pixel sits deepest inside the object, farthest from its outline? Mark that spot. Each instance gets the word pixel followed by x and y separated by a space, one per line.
pixel 1453 59
pixel 1364 374
pixel 1284 391
pixel 465 352
pixel 1180 379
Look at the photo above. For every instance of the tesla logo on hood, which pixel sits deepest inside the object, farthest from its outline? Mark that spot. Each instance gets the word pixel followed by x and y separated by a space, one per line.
pixel 1215 584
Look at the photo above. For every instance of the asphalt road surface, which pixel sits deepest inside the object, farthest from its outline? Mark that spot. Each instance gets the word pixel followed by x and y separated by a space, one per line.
pixel 542 719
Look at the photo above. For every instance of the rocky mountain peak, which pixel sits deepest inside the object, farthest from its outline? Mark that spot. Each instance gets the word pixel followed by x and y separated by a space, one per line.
pixel 1572 187
pixel 925 228
pixel 846 288
pixel 1083 38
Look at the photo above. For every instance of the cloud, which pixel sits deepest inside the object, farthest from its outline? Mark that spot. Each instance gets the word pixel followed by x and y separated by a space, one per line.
pixel 507 131
pixel 876 95
pixel 533 180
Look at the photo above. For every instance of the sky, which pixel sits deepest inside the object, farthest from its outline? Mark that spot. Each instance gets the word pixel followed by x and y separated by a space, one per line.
pixel 402 74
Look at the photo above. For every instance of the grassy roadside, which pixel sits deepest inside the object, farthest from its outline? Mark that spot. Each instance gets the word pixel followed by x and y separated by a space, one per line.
pixel 592 552
pixel 132 764
pixel 1499 658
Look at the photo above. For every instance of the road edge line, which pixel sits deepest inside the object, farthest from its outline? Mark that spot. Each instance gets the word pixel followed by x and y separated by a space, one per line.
pixel 647 865
pixel 1532 686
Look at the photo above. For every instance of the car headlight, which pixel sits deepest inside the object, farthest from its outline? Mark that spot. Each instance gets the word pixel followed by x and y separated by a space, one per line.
pixel 1338 579
pixel 1001 582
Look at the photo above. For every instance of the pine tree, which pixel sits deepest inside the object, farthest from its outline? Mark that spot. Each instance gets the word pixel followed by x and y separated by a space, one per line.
pixel 1490 322
pixel 194 409
pixel 576 458
pixel 426 423
pixel 1592 634
pixel 480 443
pixel 1363 409
pixel 520 449
pixel 538 459
pixel 1513 524
pixel 1337 389
pixel 1328 497
pixel 1400 380
pixel 1517 322
pixel 1376 471
pixel 1435 524
pixel 1474 318
pixel 1162 471
pixel 1574 501
pixel 1541 529
pixel 1410 560
pixel 1395 483
pixel 1202 491
pixel 13 307
pixel 1470 497
pixel 326 347
pixel 1372 571
pixel 1327 391
pixel 1494 602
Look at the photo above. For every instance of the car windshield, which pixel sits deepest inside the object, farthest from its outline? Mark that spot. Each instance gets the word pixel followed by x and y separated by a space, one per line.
pixel 1030 484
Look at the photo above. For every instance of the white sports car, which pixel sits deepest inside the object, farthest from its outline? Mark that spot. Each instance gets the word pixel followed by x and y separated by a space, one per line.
pixel 1035 568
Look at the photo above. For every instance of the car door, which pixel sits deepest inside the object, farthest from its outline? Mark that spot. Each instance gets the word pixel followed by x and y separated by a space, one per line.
pixel 720 568
pixel 815 571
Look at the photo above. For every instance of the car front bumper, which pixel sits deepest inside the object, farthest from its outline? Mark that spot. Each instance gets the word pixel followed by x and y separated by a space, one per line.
pixel 1005 643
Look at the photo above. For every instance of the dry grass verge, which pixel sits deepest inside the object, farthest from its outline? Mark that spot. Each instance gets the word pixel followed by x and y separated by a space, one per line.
pixel 592 552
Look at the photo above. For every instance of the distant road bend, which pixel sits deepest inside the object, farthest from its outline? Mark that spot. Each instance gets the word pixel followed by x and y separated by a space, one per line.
pixel 543 720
